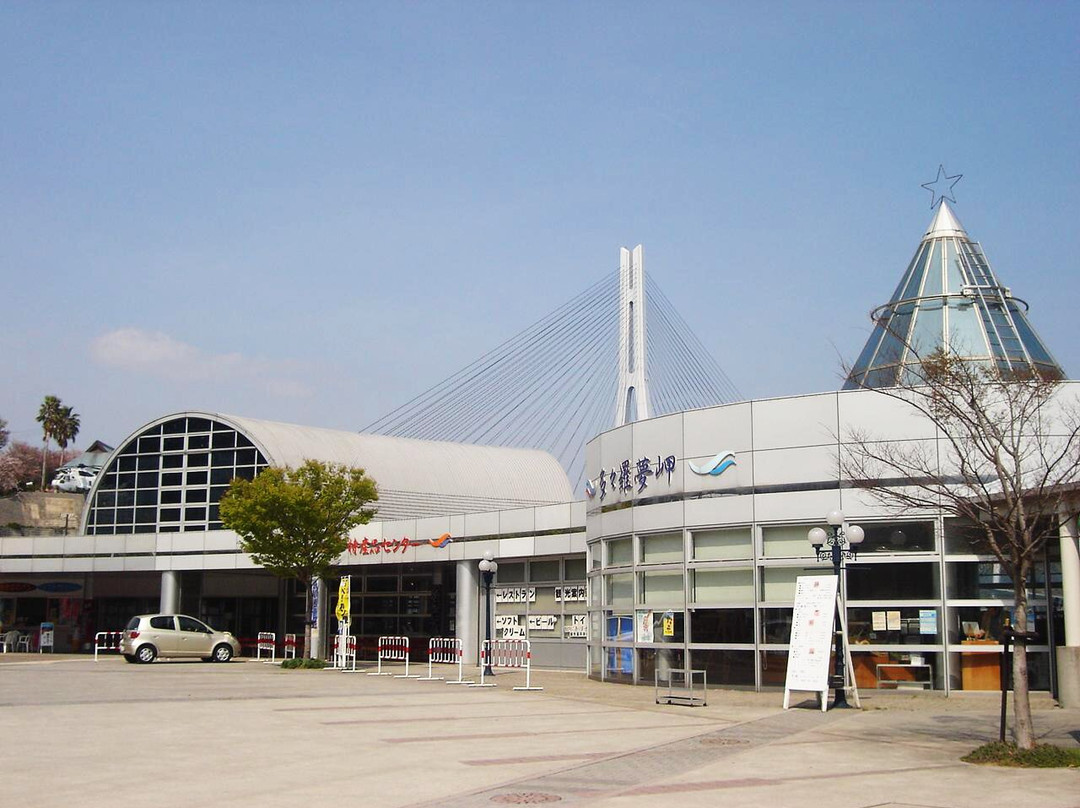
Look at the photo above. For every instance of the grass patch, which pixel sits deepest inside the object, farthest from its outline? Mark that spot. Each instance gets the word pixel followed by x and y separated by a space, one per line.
pixel 1043 756
pixel 304 663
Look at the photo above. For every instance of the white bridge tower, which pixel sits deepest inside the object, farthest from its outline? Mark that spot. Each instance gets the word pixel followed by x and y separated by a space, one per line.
pixel 632 395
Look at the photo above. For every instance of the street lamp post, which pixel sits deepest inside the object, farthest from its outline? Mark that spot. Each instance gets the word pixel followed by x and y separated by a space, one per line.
pixel 488 567
pixel 839 543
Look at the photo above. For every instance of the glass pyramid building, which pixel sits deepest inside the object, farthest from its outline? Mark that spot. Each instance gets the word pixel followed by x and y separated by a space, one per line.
pixel 950 298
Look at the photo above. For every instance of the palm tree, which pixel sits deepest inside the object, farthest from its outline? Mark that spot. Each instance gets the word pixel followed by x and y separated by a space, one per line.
pixel 48 416
pixel 67 429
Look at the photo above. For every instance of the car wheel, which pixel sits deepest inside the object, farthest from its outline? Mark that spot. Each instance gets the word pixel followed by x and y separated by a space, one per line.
pixel 129 657
pixel 222 653
pixel 146 654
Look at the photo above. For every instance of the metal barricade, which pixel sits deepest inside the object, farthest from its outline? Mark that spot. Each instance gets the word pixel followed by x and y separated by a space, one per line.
pixel 267 642
pixel 446 651
pixel 506 654
pixel 393 649
pixel 288 650
pixel 107 641
pixel 341 657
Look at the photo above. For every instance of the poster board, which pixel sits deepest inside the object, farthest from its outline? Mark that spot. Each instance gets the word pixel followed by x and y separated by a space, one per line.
pixel 811 636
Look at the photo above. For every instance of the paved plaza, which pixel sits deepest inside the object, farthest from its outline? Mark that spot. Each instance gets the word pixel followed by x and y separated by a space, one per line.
pixel 79 733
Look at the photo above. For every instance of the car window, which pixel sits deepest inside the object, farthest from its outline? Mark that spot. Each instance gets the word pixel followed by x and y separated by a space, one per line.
pixel 191 624
pixel 162 622
pixel 133 624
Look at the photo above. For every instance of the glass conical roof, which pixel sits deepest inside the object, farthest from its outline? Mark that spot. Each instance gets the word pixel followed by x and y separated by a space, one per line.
pixel 950 298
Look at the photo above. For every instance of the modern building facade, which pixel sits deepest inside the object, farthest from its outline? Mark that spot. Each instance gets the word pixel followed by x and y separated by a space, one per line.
pixel 692 563
pixel 683 553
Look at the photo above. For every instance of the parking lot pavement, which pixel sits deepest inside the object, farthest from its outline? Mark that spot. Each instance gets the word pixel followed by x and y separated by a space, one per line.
pixel 79 733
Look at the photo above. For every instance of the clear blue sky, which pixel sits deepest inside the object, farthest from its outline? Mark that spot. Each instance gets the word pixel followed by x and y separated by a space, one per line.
pixel 311 212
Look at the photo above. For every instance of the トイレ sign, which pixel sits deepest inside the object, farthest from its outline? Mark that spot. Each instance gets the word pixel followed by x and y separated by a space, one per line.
pixel 576 626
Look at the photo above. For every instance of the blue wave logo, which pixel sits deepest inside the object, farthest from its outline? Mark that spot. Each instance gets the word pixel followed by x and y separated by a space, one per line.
pixel 590 489
pixel 715 467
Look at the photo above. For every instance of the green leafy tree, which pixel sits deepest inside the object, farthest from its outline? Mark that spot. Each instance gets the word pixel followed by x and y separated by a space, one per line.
pixel 67 429
pixel 49 418
pixel 296 522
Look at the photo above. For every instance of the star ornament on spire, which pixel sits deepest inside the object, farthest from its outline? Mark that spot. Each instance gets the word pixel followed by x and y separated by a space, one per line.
pixel 941 187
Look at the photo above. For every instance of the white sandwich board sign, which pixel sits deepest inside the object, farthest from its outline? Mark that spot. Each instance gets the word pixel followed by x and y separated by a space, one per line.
pixel 811 637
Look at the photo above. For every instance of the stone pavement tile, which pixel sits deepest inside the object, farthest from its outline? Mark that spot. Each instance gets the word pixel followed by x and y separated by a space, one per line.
pixel 855 763
pixel 245 733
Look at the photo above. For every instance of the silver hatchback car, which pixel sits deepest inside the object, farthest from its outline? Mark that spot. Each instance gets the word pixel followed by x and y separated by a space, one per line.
pixel 149 636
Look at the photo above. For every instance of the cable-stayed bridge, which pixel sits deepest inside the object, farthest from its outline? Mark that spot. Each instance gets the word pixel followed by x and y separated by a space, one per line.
pixel 615 353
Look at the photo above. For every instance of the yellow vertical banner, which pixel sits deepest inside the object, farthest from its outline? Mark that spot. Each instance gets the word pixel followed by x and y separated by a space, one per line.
pixel 344 598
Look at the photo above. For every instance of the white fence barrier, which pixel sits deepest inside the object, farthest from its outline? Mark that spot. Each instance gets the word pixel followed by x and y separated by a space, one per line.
pixel 445 651
pixel 506 654
pixel 341 655
pixel 393 649
pixel 107 641
pixel 267 642
pixel 289 648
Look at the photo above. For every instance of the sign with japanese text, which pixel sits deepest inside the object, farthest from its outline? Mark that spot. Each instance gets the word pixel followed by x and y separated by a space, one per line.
pixel 645 627
pixel 669 624
pixel 542 622
pixel 366 546
pixel 631 475
pixel 570 594
pixel 928 621
pixel 508 627
pixel 344 598
pixel 576 626
pixel 811 633
pixel 515 594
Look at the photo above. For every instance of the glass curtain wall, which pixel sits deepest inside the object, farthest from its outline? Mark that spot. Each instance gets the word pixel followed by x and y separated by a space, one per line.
pixel 923 614
pixel 171 477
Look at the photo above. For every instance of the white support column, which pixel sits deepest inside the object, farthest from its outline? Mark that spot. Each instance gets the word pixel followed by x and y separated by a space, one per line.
pixel 1068 656
pixel 632 397
pixel 468 587
pixel 1070 580
pixel 170 592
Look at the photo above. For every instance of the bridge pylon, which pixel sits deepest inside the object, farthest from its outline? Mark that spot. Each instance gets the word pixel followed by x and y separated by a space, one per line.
pixel 632 394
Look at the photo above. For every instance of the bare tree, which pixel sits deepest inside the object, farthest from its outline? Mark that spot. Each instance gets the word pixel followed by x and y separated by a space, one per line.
pixel 1006 460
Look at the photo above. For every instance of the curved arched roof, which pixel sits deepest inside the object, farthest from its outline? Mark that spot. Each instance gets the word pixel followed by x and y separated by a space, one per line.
pixel 437 468
pixel 415 477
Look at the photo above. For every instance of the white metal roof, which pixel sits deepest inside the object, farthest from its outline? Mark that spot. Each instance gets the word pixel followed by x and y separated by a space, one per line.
pixel 445 473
